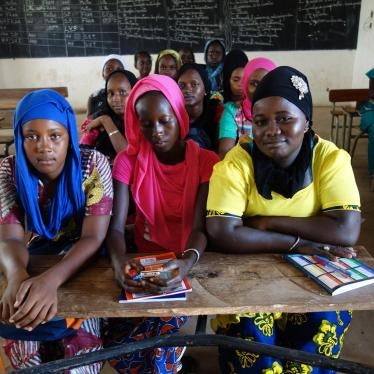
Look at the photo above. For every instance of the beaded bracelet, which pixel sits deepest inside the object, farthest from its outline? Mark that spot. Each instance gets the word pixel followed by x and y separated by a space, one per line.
pixel 195 251
pixel 294 245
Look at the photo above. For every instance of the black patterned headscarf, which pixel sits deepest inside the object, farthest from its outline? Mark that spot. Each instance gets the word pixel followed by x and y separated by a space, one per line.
pixel 289 83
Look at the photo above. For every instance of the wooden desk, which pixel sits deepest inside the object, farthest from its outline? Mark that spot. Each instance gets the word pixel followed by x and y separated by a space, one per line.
pixel 222 284
pixel 9 97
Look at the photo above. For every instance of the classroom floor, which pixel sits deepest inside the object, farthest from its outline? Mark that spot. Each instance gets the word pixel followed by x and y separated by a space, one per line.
pixel 359 341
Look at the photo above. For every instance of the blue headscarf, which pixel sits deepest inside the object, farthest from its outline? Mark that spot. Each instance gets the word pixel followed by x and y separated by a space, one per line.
pixel 69 197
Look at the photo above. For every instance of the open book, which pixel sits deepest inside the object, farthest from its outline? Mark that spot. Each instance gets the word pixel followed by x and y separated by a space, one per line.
pixel 338 277
pixel 153 264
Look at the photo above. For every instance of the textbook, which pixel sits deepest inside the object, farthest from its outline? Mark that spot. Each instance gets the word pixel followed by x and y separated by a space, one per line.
pixel 336 277
pixel 152 267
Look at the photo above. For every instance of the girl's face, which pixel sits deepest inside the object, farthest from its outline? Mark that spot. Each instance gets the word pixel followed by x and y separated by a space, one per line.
pixel 254 80
pixel 118 89
pixel 167 66
pixel 214 54
pixel 144 65
pixel 192 87
pixel 158 122
pixel 46 144
pixel 236 84
pixel 278 129
pixel 186 56
pixel 110 66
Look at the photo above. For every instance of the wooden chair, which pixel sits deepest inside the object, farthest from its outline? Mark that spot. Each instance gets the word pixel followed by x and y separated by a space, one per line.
pixel 339 115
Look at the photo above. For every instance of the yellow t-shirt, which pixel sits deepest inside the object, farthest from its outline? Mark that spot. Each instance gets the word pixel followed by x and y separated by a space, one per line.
pixel 233 192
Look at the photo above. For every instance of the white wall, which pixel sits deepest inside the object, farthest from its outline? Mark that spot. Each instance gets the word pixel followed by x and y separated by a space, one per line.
pixel 364 59
pixel 82 75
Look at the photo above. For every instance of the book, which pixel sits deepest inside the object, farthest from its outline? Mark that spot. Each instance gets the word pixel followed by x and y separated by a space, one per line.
pixel 336 277
pixel 153 265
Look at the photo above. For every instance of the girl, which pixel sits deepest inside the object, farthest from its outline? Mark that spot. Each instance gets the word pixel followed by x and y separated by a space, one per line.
pixel 143 63
pixel 236 119
pixel 168 178
pixel 97 100
pixel 104 129
pixel 63 196
pixel 232 116
pixel 287 190
pixel 214 53
pixel 203 112
pixel 168 63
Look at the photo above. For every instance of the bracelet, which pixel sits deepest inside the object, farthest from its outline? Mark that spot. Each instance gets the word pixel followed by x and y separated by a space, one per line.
pixel 113 132
pixel 294 245
pixel 195 251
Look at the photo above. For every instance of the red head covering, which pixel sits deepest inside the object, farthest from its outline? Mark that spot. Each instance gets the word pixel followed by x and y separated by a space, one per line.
pixel 252 65
pixel 149 176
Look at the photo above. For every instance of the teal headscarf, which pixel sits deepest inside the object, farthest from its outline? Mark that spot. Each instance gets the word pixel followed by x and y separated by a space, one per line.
pixel 69 197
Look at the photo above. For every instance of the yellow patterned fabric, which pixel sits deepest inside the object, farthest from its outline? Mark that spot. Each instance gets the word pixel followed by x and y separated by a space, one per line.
pixel 94 188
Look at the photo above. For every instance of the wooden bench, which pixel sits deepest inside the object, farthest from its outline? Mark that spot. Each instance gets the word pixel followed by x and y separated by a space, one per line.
pixel 9 98
pixel 342 116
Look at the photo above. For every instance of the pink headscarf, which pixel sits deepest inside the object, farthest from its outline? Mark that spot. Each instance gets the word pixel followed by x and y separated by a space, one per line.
pixel 252 65
pixel 147 193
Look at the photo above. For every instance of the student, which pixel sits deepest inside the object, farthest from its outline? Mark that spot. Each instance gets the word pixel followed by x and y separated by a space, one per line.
pixel 214 53
pixel 186 55
pixel 367 125
pixel 168 63
pixel 285 191
pixel 97 100
pixel 63 196
pixel 232 116
pixel 168 177
pixel 143 63
pixel 104 130
pixel 236 119
pixel 203 112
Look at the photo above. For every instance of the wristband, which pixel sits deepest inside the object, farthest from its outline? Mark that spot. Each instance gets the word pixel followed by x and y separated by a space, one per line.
pixel 113 132
pixel 294 245
pixel 195 251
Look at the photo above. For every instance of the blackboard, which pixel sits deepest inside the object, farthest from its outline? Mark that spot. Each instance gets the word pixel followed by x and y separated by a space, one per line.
pixel 53 28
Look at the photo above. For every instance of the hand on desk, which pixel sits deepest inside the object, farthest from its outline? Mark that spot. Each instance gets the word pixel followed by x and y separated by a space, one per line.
pixel 178 267
pixel 7 308
pixel 329 251
pixel 36 302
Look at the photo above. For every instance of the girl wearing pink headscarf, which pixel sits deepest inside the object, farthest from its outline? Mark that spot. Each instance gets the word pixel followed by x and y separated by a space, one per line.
pixel 236 123
pixel 168 177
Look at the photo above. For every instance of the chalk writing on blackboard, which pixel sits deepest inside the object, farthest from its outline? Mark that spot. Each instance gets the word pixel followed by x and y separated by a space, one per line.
pixel 51 28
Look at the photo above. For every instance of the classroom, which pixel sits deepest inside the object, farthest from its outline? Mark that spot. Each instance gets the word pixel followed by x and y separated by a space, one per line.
pixel 77 65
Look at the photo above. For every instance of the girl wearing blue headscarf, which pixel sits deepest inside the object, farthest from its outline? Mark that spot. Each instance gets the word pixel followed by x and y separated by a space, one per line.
pixel 214 53
pixel 63 196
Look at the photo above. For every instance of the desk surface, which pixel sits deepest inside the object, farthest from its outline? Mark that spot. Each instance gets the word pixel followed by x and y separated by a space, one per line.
pixel 221 284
